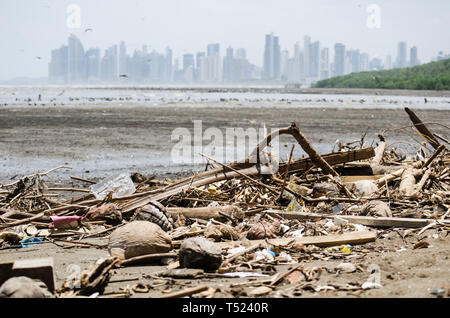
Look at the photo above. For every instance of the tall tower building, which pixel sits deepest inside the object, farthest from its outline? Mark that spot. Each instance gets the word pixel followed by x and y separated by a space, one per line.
pixel 214 62
pixel 401 55
pixel 339 59
pixel 413 56
pixel 93 65
pixel 76 62
pixel 314 58
pixel 307 55
pixel 272 58
pixel 324 63
pixel 168 69
pixel 228 65
pixel 123 67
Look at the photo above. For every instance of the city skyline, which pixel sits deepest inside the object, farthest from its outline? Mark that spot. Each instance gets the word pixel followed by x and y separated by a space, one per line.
pixel 31 29
pixel 306 63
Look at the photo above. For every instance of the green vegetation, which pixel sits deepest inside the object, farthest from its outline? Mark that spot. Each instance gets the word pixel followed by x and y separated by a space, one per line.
pixel 430 76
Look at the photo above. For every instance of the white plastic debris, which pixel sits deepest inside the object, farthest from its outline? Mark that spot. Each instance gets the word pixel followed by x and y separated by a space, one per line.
pixel 236 250
pixel 370 285
pixel 284 257
pixel 120 185
pixel 264 255
pixel 296 233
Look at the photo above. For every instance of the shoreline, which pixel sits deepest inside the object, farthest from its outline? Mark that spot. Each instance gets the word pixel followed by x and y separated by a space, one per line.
pixel 248 89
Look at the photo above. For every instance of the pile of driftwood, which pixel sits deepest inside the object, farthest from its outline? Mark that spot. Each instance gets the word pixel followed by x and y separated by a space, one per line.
pixel 322 200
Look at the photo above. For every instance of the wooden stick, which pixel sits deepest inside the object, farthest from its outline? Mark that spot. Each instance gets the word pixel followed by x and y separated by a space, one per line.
pixel 422 129
pixel 286 174
pixel 242 174
pixel 147 258
pixel 360 237
pixel 186 292
pixel 69 189
pixel 435 154
pixel 84 180
pixel 364 220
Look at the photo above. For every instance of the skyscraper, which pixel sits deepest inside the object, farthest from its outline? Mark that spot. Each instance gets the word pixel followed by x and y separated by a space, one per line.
pixel 93 65
pixel 324 64
pixel 76 65
pixel 214 63
pixel 401 55
pixel 355 60
pixel 307 55
pixel 339 59
pixel 364 62
pixel 123 58
pixel 413 56
pixel 228 65
pixel 58 66
pixel 314 57
pixel 272 58
pixel 168 70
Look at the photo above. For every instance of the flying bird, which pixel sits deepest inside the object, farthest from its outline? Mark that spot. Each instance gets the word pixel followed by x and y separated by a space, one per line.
pixel 88 29
pixel 38 58
pixel 123 75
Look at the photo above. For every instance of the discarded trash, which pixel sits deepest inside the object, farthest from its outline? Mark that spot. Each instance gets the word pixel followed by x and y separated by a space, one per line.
pixel 30 242
pixel 24 287
pixel 120 185
pixel 200 253
pixel 108 212
pixel 138 238
pixel 370 285
pixel 64 222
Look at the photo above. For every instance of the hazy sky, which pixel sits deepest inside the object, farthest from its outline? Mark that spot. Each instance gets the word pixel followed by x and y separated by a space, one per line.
pixel 30 28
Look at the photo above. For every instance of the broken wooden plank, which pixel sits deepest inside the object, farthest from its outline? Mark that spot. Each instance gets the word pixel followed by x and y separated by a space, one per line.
pixel 363 220
pixel 353 238
pixel 146 259
pixel 246 168
pixel 422 129
pixel 207 213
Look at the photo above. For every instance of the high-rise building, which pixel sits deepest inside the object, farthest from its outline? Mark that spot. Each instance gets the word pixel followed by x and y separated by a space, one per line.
pixel 314 59
pixel 413 57
pixel 402 60
pixel 108 65
pixel 355 60
pixel 214 63
pixel 58 67
pixel 339 59
pixel 228 65
pixel 188 61
pixel 93 65
pixel 76 65
pixel 324 64
pixel 363 62
pixel 241 53
pixel 307 55
pixel 123 59
pixel 388 63
pixel 200 67
pixel 284 65
pixel 168 70
pixel 272 58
